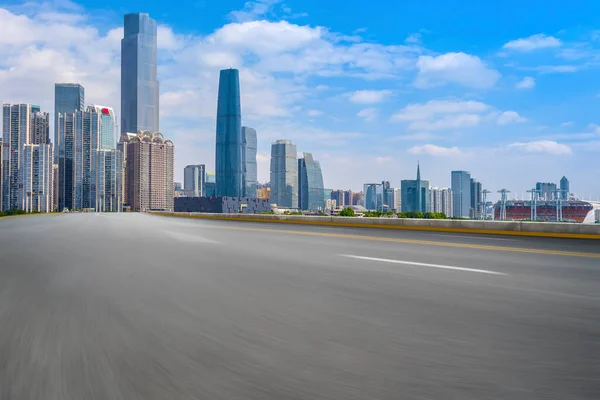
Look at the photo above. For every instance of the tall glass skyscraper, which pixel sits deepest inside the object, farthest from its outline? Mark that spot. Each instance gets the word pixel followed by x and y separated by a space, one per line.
pixel 139 83
pixel 415 194
pixel 284 174
pixel 229 149
pixel 250 173
pixel 461 194
pixel 106 130
pixel 311 191
pixel 68 98
pixel 564 188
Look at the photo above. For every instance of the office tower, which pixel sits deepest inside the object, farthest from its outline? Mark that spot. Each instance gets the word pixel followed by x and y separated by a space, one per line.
pixel 108 186
pixel 229 147
pixel 461 194
pixel 339 197
pixel 546 191
pixel 68 98
pixel 415 194
pixel 564 188
pixel 40 128
pixel 311 195
pixel 36 178
pixel 373 199
pixel 150 172
pixel 83 134
pixel 250 173
pixel 476 199
pixel 17 130
pixel 194 180
pixel 106 133
pixel 284 174
pixel 348 197
pixel 139 83
pixel 398 199
pixel 388 196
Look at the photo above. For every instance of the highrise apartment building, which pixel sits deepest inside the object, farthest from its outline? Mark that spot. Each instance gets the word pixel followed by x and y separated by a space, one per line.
pixel 461 194
pixel 150 172
pixel 139 79
pixel 250 171
pixel 229 145
pixel 440 201
pixel 68 98
pixel 85 136
pixel 26 178
pixel 194 180
pixel 311 191
pixel 284 174
pixel 107 190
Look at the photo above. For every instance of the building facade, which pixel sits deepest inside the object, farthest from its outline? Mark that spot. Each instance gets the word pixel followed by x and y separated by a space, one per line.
pixel 18 130
pixel 564 188
pixel 40 128
pixel 194 180
pixel 229 146
pixel 476 211
pixel 440 201
pixel 311 191
pixel 107 189
pixel 68 98
pixel 373 198
pixel 139 82
pixel 284 174
pixel 415 194
pixel 339 197
pixel 461 194
pixel 546 191
pixel 36 178
pixel 150 172
pixel 250 171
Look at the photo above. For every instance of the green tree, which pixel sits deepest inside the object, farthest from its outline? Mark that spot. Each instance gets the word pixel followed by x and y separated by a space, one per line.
pixel 347 212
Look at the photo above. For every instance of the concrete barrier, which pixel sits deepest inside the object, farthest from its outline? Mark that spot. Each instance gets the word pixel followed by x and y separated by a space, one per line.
pixel 515 228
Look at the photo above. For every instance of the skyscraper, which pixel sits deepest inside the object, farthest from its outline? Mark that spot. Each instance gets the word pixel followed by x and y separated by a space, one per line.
pixel 40 128
pixel 108 175
pixel 68 98
pixel 250 173
pixel 461 194
pixel 476 199
pixel 284 174
pixel 373 199
pixel 415 194
pixel 83 134
pixel 139 83
pixel 564 188
pixel 150 172
pixel 17 131
pixel 229 148
pixel 546 190
pixel 36 185
pixel 311 195
pixel 194 180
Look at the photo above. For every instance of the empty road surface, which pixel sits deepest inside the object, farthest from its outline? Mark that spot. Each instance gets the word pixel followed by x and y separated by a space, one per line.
pixel 134 306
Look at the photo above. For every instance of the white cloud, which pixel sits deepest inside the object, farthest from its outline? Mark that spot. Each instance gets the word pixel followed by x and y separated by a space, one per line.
pixel 456 68
pixel 369 96
pixel 527 83
pixel 441 114
pixel 557 69
pixel 314 113
pixel 567 124
pixel 433 150
pixel 534 42
pixel 383 159
pixel 509 117
pixel 253 10
pixel 369 114
pixel 541 147
pixel 414 38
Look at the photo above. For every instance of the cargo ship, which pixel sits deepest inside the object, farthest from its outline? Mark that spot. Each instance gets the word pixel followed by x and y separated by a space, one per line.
pixel 520 210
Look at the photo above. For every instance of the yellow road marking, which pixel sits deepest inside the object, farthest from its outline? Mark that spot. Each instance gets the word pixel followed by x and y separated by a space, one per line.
pixel 415 241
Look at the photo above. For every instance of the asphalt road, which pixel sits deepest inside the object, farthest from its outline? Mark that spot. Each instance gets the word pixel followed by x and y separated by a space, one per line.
pixel 133 306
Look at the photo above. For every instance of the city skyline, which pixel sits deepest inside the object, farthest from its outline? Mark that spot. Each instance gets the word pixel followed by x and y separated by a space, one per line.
pixel 323 108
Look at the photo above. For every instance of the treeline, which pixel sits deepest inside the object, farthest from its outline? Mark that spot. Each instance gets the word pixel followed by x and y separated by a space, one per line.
pixel 16 212
pixel 348 212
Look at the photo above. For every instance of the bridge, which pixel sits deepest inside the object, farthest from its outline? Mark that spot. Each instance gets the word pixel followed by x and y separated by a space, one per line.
pixel 138 306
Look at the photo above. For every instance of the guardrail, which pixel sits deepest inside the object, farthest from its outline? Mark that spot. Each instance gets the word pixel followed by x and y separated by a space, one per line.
pixel 514 228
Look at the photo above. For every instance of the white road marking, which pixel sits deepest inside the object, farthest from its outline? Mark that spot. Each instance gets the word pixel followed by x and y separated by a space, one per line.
pixel 471 237
pixel 418 264
pixel 190 238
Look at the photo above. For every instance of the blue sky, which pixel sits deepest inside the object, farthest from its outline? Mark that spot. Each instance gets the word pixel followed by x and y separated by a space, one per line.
pixel 507 90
